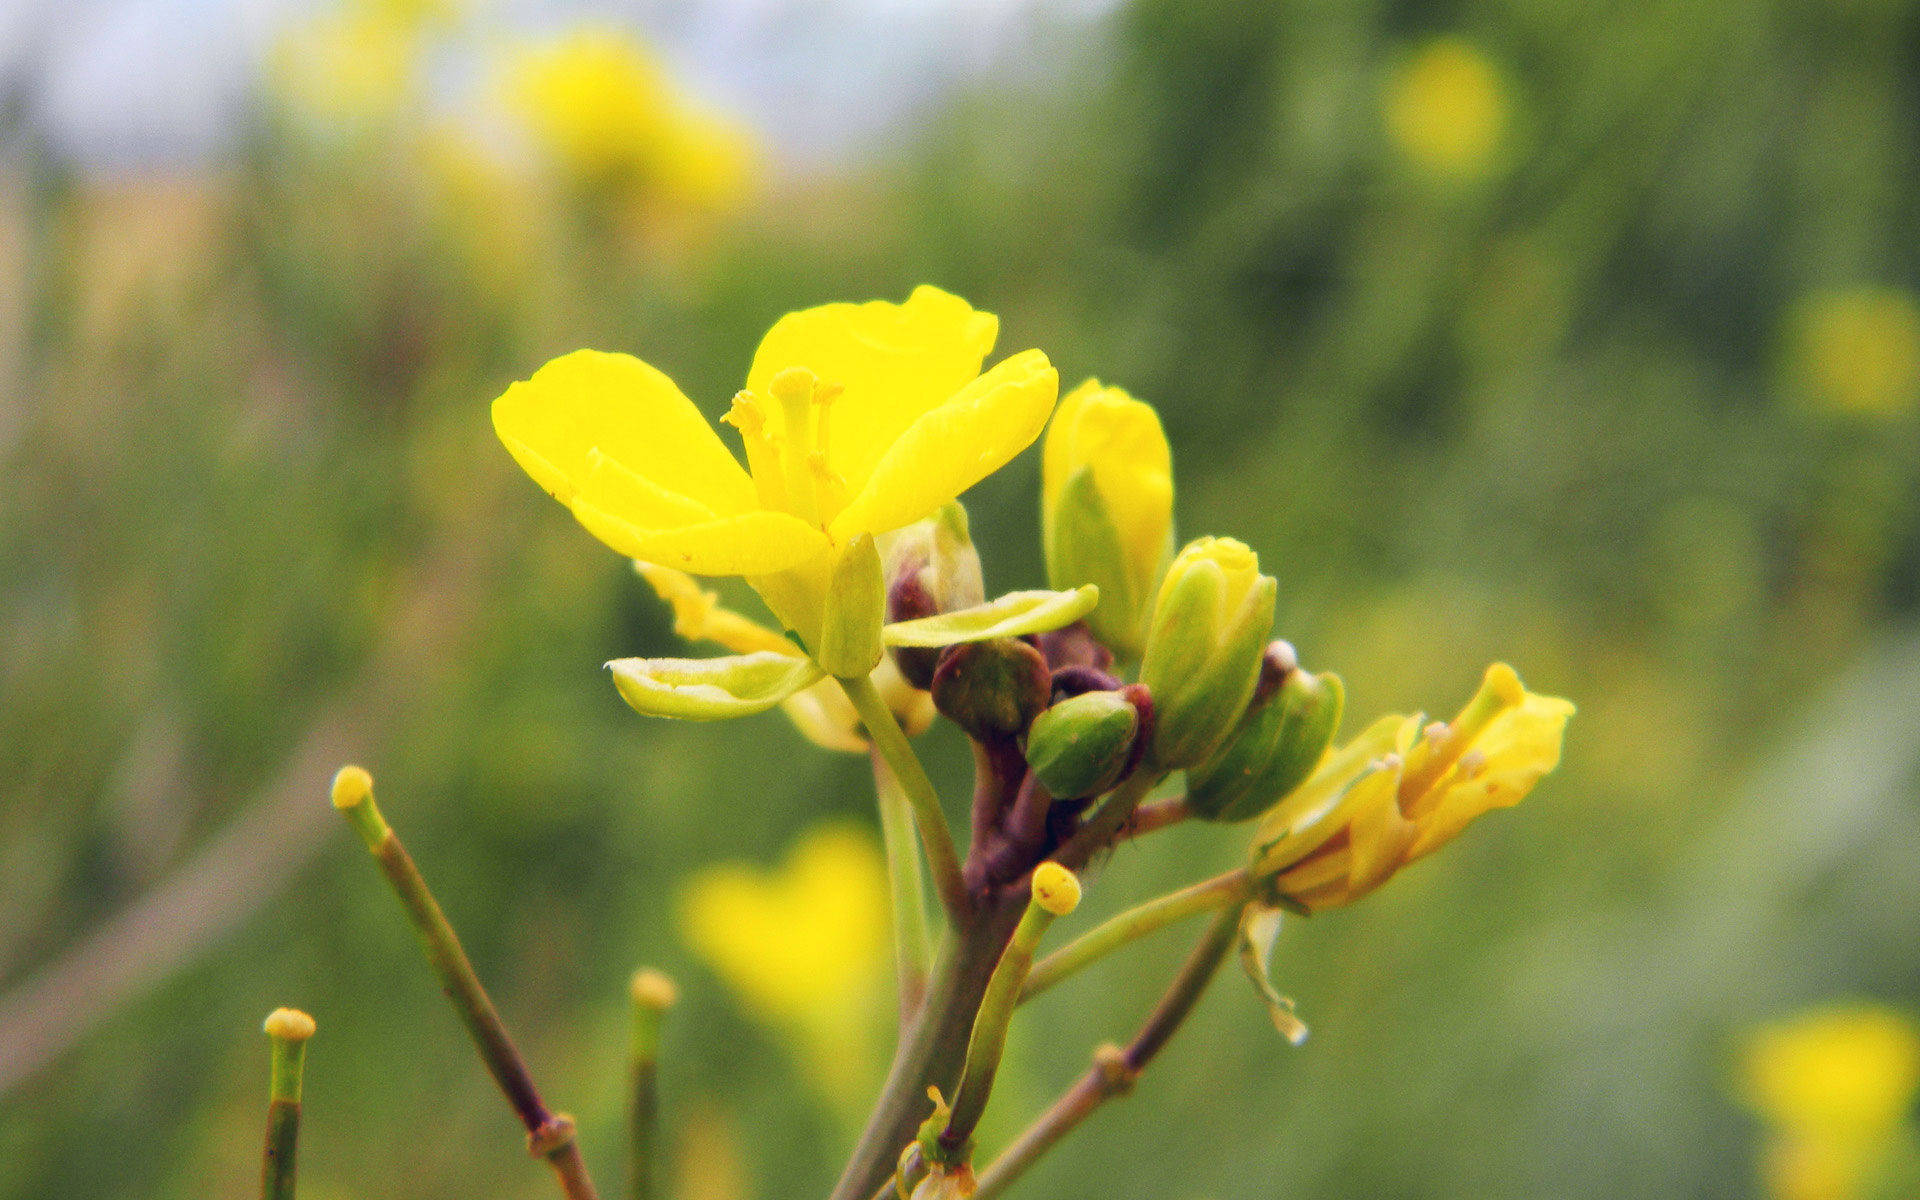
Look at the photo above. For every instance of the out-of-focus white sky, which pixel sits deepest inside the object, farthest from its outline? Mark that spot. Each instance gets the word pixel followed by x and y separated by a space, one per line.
pixel 120 83
pixel 137 82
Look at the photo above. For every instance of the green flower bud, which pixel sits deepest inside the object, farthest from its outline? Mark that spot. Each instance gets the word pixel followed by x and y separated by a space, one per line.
pixel 1107 507
pixel 1277 746
pixel 850 645
pixel 992 689
pixel 1210 623
pixel 1082 745
pixel 931 568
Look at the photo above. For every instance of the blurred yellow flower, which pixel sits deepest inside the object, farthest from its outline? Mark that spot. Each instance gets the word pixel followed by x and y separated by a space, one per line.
pixel 1858 349
pixel 1397 792
pixel 598 105
pixel 1836 1085
pixel 1852 1068
pixel 1446 108
pixel 805 945
pixel 857 419
pixel 354 67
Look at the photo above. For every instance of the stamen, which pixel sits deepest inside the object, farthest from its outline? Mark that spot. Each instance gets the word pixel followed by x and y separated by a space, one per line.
pixel 763 450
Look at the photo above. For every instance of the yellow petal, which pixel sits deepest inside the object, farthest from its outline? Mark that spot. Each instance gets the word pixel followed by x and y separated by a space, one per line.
pixel 1497 771
pixel 749 543
pixel 954 446
pixel 631 413
pixel 612 487
pixel 894 362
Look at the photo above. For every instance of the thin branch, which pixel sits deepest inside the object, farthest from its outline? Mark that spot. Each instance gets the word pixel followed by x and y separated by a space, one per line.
pixel 1231 888
pixel 891 743
pixel 1115 1071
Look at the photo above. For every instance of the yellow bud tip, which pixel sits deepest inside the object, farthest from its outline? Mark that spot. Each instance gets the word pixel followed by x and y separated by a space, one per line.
pixel 351 785
pixel 289 1024
pixel 652 989
pixel 1504 683
pixel 1055 889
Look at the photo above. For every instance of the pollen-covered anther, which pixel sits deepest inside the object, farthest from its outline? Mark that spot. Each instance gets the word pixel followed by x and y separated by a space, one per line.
pixel 1472 763
pixel 746 415
pixel 1436 732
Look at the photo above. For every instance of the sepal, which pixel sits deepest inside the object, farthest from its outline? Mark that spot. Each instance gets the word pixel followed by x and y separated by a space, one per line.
pixel 711 689
pixel 1259 927
pixel 1015 614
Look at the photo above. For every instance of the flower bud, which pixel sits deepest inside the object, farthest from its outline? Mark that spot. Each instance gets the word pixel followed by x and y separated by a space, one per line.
pixel 1277 746
pixel 931 568
pixel 1203 653
pixel 1107 507
pixel 992 689
pixel 1082 745
pixel 850 645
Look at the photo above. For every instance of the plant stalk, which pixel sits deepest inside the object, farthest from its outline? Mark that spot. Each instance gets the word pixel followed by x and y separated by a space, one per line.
pixel 550 1135
pixel 890 741
pixel 912 942
pixel 932 1047
pixel 289 1029
pixel 1114 1071
pixel 1233 887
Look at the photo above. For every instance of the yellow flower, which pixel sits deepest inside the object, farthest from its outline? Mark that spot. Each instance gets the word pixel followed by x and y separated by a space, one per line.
pixel 1107 506
pixel 1858 349
pixel 1446 108
pixel 805 946
pixel 1836 1085
pixel 598 104
pixel 821 712
pixel 354 67
pixel 1845 1069
pixel 1397 793
pixel 857 419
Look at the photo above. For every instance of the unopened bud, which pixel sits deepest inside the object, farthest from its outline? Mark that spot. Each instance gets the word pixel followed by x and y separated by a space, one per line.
pixel 931 568
pixel 992 689
pixel 1083 745
pixel 1273 752
pixel 1203 657
pixel 1107 506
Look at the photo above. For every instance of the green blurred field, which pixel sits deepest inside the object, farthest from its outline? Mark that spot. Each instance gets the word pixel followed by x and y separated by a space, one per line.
pixel 1620 400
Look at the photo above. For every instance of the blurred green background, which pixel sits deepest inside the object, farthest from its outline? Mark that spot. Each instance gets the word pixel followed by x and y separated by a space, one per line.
pixel 1580 337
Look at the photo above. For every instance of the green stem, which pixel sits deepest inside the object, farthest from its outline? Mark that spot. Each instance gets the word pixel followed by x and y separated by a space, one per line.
pixel 931 1048
pixel 550 1135
pixel 891 743
pixel 289 1030
pixel 1115 1071
pixel 1135 923
pixel 989 1038
pixel 651 994
pixel 912 942
pixel 1100 829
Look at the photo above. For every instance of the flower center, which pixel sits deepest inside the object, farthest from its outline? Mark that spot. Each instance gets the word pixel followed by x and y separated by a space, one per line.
pixel 792 470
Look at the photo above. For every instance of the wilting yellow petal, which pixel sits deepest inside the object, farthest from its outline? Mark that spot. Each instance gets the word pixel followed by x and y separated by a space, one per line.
pixel 699 616
pixel 894 362
pixel 954 446
pixel 631 413
pixel 1497 771
pixel 750 543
